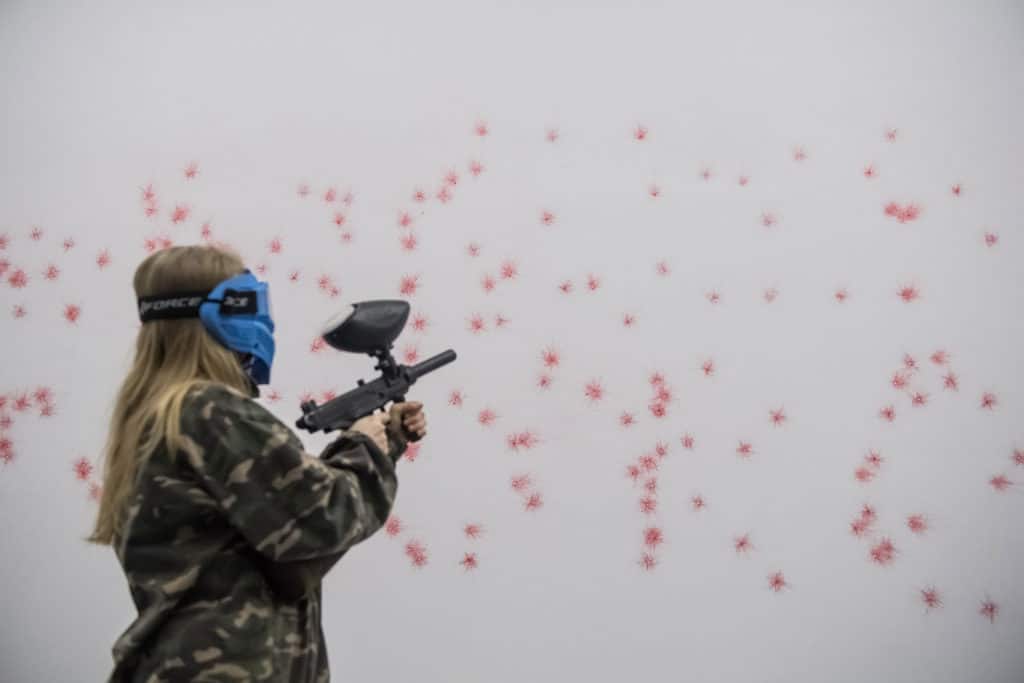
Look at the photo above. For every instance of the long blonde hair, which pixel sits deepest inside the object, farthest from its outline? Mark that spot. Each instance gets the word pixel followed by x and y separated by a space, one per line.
pixel 171 357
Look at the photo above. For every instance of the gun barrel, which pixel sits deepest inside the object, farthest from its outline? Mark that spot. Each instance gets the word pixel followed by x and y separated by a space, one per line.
pixel 431 364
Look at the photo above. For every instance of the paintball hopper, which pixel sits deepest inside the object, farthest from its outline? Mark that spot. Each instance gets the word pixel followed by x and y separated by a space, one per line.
pixel 370 328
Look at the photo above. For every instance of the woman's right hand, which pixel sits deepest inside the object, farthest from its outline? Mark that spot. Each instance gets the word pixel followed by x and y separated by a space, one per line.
pixel 375 427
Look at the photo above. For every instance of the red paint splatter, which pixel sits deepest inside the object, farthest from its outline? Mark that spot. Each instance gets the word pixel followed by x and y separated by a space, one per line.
pixel 799 154
pixel 890 134
pixel 594 391
pixel 339 218
pixel 180 213
pixel 552 134
pixel 533 502
pixel 318 345
pixel 1000 482
pixel 742 544
pixel 593 282
pixel 698 502
pixel 778 416
pixel 648 561
pixel 72 313
pixel 330 195
pixel 653 537
pixel 648 505
pixel 469 561
pixel 883 552
pixel 476 168
pixel 714 297
pixel 777 582
pixel 1018 456
pixel 509 270
pixel 419 195
pixel 544 381
pixel 18 279
pixel 521 482
pixel 744 450
pixel 455 398
pixel 989 401
pixel 393 526
pixel 909 293
pixel 860 526
pixel 991 239
pixel 640 133
pixel 566 287
pixel 687 441
pixel 654 191
pixel 103 259
pixel 410 355
pixel 547 217
pixel 768 219
pixel 989 610
pixel 481 128
pixel 931 598
pixel 416 552
pixel 36 234
pixel 874 459
pixel 651 485
pixel 870 172
pixel 409 284
pixel 917 523
pixel 662 268
pixel 486 417
pixel 52 272
pixel 949 381
pixel 863 474
pixel 477 324
pixel 473 249
pixel 887 413
pixel 919 398
pixel 69 244
pixel 841 295
pixel 82 468
pixel 473 531
pixel 956 189
pixel 627 419
pixel 770 294
pixel 708 367
pixel 743 180
pixel 191 171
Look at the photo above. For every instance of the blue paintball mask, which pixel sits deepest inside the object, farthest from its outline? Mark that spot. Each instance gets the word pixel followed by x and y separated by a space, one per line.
pixel 237 313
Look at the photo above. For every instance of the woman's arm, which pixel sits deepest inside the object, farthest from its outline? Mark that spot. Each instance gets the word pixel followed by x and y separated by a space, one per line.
pixel 291 506
pixel 294 580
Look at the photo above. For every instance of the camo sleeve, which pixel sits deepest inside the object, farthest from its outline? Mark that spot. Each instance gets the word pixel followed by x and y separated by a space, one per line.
pixel 290 505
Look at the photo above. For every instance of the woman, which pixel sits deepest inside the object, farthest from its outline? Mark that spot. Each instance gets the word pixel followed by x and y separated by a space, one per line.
pixel 223 524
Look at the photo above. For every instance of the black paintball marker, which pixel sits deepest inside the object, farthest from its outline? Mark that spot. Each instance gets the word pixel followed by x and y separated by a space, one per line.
pixel 370 328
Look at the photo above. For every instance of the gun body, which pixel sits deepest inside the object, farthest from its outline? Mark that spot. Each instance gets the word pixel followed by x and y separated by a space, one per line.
pixel 342 411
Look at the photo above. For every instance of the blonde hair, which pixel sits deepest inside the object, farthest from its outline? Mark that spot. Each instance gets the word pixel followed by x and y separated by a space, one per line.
pixel 171 357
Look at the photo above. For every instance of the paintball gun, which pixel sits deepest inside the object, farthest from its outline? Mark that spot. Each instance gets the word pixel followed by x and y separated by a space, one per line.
pixel 371 327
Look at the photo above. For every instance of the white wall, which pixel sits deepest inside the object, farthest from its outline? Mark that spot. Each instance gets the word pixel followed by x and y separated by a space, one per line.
pixel 381 98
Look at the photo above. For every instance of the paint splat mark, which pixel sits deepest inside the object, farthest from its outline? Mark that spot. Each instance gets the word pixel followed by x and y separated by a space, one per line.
pixel 1000 482
pixel 180 213
pixel 416 552
pixel 931 597
pixel 469 561
pixel 777 582
pixel 394 526
pixel 883 552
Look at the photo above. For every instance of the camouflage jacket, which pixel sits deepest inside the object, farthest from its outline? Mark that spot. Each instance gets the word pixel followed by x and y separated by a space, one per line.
pixel 226 542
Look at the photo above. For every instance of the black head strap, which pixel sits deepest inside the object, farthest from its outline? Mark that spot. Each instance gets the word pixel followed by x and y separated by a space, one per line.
pixel 171 306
